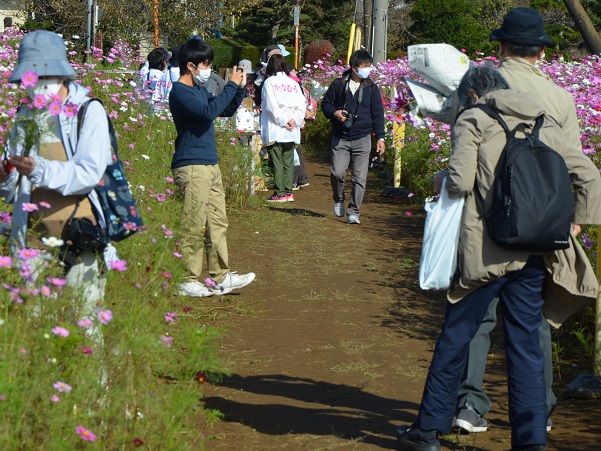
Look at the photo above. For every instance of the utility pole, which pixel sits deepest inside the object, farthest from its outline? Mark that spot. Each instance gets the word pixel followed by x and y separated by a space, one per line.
pixel 380 30
pixel 367 24
pixel 90 26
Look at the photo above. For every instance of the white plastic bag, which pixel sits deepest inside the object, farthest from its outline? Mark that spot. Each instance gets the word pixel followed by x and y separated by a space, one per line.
pixel 441 238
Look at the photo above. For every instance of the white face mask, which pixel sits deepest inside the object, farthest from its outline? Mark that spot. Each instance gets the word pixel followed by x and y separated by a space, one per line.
pixel 44 87
pixel 363 72
pixel 203 75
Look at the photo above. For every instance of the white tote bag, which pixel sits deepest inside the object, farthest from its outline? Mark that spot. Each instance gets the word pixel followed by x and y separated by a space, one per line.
pixel 441 238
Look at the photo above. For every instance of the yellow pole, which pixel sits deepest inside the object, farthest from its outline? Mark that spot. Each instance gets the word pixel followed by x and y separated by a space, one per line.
pixel 358 39
pixel 398 139
pixel 350 42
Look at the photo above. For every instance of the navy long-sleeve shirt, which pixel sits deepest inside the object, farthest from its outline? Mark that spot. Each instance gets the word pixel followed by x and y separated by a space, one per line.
pixel 194 110
pixel 370 114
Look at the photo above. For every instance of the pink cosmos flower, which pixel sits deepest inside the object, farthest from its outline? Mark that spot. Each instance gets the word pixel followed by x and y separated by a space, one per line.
pixel 167 275
pixel 408 213
pixel 85 322
pixel 70 109
pixel 44 204
pixel 56 281
pixel 210 282
pixel 105 316
pixel 5 261
pixel 39 101
pixel 27 206
pixel 45 290
pixel 170 317
pixel 168 233
pixel 166 341
pixel 29 79
pixel 61 387
pixel 55 398
pixel 55 108
pixel 27 253
pixel 119 265
pixel 85 434
pixel 177 255
pixel 87 350
pixel 60 331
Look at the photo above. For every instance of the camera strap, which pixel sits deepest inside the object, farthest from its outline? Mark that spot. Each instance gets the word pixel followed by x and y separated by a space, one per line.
pixel 75 209
pixel 359 95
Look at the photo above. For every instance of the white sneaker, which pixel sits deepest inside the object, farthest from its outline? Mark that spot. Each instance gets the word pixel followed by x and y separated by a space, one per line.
pixel 194 289
pixel 353 219
pixel 233 281
pixel 339 209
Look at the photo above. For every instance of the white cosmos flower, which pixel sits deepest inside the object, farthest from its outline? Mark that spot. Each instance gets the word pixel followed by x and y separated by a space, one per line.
pixel 52 241
pixel 146 157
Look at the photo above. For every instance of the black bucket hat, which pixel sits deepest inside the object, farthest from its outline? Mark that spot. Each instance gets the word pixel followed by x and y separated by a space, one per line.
pixel 523 26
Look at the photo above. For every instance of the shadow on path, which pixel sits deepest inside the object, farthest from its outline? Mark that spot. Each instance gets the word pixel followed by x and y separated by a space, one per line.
pixel 321 408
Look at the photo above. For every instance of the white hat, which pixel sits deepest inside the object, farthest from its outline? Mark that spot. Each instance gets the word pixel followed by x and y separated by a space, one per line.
pixel 247 65
pixel 283 49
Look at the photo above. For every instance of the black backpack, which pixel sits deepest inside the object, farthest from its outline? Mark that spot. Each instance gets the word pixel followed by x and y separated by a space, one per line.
pixel 533 204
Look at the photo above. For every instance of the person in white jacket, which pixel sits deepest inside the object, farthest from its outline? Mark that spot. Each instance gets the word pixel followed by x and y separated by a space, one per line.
pixel 282 112
pixel 59 172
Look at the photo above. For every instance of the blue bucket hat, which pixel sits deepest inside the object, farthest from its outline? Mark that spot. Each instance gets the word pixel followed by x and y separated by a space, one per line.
pixel 44 53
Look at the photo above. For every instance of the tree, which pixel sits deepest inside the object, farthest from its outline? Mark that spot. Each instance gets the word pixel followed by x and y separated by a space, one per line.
pixel 584 25
pixel 319 19
pixel 453 22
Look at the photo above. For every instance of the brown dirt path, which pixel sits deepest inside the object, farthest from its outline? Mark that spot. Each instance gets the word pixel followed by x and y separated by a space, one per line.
pixel 331 344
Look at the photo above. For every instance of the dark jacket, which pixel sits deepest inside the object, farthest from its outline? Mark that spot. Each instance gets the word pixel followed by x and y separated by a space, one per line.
pixel 370 114
pixel 194 110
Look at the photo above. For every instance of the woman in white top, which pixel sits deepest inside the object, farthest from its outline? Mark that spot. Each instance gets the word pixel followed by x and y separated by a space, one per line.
pixel 282 112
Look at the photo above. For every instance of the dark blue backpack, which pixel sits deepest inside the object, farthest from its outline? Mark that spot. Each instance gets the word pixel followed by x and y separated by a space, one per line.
pixel 533 205
pixel 115 195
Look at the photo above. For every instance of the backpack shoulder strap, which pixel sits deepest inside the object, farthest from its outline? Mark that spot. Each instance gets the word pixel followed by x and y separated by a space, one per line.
pixel 81 114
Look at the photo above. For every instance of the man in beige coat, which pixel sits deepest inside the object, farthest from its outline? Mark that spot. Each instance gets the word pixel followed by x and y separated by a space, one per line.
pixel 522 41
pixel 488 271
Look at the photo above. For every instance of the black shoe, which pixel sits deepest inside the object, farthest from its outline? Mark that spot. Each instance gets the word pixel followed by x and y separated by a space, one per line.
pixel 529 448
pixel 414 439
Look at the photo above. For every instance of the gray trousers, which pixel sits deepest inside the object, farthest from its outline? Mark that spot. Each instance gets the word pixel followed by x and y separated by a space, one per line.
pixel 470 390
pixel 355 153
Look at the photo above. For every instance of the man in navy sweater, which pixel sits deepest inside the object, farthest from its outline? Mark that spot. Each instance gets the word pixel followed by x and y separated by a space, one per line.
pixel 353 104
pixel 196 170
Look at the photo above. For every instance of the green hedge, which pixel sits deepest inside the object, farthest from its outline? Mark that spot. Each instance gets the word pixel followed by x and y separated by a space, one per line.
pixel 229 52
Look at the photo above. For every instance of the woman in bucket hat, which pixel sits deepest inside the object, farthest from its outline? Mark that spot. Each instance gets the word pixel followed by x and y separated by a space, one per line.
pixel 56 168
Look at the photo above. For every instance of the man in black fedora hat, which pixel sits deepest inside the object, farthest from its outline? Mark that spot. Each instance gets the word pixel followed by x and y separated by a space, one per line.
pixel 522 40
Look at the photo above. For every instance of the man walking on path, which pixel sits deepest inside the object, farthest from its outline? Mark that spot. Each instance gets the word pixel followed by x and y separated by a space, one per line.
pixel 353 104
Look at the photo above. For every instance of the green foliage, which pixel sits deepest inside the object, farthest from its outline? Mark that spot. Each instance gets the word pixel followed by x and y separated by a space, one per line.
pixel 320 19
pixel 317 135
pixel 451 22
pixel 228 52
pixel 141 376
